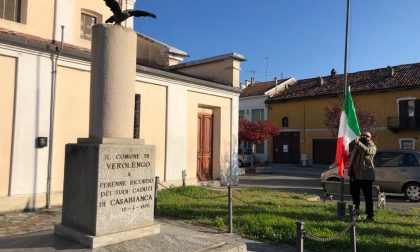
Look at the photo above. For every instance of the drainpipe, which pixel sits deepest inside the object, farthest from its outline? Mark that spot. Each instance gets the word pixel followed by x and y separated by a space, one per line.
pixel 53 86
pixel 55 22
pixel 126 7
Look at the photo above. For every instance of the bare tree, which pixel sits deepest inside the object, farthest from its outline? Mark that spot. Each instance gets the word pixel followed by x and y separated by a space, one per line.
pixel 367 119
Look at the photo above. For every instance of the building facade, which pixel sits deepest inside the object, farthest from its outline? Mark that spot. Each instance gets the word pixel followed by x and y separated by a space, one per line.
pixel 252 107
pixel 392 94
pixel 188 111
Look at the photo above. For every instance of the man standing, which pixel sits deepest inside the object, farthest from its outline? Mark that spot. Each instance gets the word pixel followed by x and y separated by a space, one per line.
pixel 362 172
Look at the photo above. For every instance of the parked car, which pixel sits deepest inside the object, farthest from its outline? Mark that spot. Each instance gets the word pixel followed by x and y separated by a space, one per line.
pixel 397 171
pixel 244 156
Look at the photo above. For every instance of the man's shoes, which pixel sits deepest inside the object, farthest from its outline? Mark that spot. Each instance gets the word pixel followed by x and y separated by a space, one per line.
pixel 370 219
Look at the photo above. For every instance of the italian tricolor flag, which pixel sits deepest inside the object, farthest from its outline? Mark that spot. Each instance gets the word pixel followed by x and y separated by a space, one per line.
pixel 348 131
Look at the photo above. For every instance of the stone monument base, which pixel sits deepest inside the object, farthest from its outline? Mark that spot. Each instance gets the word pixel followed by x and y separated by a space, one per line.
pixel 108 196
pixel 92 241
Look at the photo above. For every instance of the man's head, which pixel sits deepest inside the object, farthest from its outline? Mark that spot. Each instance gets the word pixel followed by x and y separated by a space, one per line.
pixel 367 134
pixel 365 137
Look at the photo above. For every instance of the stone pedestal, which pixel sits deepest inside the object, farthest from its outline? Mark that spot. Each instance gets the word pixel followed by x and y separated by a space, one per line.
pixel 109 178
pixel 108 191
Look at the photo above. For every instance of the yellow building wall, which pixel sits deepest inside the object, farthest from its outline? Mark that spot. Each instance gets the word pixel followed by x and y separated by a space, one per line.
pixel 37 17
pixel 7 94
pixel 153 120
pixel 224 71
pixel 221 109
pixel 71 117
pixel 307 116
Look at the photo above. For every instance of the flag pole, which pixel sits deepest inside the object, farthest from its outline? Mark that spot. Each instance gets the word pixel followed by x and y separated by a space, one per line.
pixel 341 205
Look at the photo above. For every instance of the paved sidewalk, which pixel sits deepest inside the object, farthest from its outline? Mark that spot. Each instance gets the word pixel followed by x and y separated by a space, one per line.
pixel 16 223
pixel 33 231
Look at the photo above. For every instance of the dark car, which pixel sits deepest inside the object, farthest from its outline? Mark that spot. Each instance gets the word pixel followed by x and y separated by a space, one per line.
pixel 397 171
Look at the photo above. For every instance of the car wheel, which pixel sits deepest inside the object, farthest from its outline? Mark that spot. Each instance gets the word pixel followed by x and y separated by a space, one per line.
pixel 412 191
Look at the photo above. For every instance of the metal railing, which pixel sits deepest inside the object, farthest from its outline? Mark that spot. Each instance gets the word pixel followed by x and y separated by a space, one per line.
pixel 351 227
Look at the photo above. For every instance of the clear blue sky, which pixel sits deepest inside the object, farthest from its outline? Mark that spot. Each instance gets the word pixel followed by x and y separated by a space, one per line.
pixel 301 38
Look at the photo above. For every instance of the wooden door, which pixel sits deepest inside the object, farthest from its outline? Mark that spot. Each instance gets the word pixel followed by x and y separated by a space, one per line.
pixel 286 148
pixel 323 151
pixel 204 146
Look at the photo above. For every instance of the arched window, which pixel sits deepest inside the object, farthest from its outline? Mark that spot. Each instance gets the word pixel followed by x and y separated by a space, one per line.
pixel 285 122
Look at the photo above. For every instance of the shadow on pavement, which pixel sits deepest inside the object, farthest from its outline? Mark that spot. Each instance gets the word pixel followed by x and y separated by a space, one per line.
pixel 43 240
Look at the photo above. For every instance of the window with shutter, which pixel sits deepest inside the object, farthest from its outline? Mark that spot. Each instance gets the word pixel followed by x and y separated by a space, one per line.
pixel 417 113
pixel 403 114
pixel 257 115
pixel 241 114
pixel 10 10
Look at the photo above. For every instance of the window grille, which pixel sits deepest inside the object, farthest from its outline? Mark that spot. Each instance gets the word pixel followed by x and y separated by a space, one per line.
pixel 137 103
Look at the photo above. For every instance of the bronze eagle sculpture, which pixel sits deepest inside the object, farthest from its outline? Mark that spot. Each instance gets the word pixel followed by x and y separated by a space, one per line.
pixel 120 16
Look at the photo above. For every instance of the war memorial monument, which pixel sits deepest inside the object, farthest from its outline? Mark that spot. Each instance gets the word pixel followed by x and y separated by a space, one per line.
pixel 109 177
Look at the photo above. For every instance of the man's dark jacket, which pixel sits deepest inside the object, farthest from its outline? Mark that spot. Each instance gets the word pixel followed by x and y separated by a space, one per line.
pixel 361 161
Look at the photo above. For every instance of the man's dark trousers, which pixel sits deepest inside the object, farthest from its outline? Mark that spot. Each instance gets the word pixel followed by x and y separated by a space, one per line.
pixel 366 186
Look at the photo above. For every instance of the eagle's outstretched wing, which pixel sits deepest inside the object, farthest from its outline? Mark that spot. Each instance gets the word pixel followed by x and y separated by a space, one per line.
pixel 114 6
pixel 110 20
pixel 140 13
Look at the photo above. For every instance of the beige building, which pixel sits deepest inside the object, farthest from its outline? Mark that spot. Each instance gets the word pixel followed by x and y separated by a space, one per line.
pixel 189 111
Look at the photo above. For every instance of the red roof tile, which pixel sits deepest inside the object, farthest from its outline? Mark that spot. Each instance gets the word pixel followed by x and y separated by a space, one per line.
pixel 40 40
pixel 404 77
pixel 259 88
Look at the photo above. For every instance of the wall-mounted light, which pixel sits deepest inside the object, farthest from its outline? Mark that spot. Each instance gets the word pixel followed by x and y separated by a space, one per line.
pixel 41 142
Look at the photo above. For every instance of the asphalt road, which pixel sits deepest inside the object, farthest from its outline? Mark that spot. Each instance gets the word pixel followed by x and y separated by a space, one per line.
pixel 306 180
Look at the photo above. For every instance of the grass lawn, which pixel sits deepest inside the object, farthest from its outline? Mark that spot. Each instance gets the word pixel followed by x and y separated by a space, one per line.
pixel 271 217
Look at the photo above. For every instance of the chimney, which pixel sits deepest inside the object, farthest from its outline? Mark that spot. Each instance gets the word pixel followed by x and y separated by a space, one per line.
pixel 391 71
pixel 245 84
pixel 333 72
pixel 320 81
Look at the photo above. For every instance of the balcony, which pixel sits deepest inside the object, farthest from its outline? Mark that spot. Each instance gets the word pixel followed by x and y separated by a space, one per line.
pixel 396 123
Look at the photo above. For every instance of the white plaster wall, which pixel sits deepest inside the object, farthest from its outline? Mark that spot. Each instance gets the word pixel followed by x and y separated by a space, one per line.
pixel 29 173
pixel 65 16
pixel 32 117
pixel 176 125
pixel 29 164
pixel 176 128
pixel 248 104
pixel 130 5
